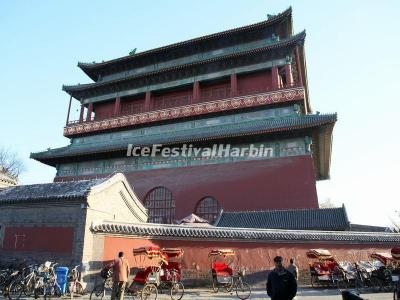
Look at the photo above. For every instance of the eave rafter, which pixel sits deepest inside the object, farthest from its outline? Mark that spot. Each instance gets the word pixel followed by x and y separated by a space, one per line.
pixel 94 69
pixel 80 90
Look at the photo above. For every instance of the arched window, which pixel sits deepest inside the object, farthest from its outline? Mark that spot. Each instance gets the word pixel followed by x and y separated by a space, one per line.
pixel 160 206
pixel 208 208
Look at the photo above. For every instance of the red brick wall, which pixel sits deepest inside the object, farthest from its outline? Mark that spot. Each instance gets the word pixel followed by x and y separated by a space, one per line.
pixel 254 256
pixel 39 239
pixel 279 183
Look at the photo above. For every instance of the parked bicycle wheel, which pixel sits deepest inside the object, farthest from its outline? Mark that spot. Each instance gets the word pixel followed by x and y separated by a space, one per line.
pixel 75 288
pixel 229 285
pixel 98 293
pixel 15 290
pixel 177 291
pixel 29 288
pixel 52 290
pixel 215 285
pixel 243 290
pixel 149 292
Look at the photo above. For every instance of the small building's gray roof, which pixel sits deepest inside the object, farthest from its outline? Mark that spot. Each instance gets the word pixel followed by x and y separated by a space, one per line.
pixel 167 231
pixel 55 191
pixel 308 219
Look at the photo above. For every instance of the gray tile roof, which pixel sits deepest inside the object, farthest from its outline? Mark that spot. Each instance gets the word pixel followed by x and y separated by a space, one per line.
pixel 369 228
pixel 195 134
pixel 55 191
pixel 164 231
pixel 308 219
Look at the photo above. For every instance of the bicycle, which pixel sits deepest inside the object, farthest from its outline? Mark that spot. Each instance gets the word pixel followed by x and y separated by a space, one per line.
pixel 242 288
pixel 99 291
pixel 24 282
pixel 46 284
pixel 74 286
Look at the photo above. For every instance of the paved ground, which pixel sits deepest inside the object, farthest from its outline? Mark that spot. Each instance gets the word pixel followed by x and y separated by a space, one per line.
pixel 304 294
pixel 257 294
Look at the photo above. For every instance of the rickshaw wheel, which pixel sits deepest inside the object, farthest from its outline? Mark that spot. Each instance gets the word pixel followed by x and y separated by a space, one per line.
pixel 229 286
pixel 358 284
pixel 215 285
pixel 243 290
pixel 177 291
pixel 341 284
pixel 149 292
pixel 313 281
pixel 376 284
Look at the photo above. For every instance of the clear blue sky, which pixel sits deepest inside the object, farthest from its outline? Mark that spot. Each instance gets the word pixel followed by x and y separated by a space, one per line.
pixel 352 52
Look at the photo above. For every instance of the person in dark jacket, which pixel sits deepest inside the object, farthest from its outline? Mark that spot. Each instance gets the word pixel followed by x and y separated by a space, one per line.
pixel 281 284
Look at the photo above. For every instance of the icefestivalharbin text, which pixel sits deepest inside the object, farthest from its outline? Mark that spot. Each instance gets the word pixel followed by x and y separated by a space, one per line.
pixel 188 150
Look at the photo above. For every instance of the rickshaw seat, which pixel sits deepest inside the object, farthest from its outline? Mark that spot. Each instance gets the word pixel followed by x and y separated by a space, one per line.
pixel 141 276
pixel 221 268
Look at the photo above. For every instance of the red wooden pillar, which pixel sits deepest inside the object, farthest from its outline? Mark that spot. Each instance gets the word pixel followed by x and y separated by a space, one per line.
pixel 89 112
pixel 81 113
pixel 275 77
pixel 234 90
pixel 299 74
pixel 196 92
pixel 288 74
pixel 117 107
pixel 69 110
pixel 147 100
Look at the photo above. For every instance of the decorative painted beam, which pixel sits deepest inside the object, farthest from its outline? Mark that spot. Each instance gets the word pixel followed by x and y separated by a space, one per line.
pixel 279 96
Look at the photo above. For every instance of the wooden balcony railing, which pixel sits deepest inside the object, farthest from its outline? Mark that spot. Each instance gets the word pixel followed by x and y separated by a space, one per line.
pixel 250 98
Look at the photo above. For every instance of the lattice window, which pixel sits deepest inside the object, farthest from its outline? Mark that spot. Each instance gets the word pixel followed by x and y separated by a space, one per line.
pixel 132 108
pixel 160 205
pixel 208 208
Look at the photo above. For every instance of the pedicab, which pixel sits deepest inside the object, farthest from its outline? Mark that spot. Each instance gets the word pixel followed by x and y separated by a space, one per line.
pixel 221 268
pixel 224 275
pixel 153 277
pixel 172 272
pixel 147 280
pixel 396 272
pixel 381 275
pixel 325 270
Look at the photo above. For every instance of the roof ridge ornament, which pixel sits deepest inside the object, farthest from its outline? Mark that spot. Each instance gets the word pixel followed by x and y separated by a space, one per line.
pixel 133 52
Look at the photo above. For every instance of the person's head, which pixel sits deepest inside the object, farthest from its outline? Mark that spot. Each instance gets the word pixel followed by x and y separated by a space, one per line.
pixel 278 262
pixel 291 261
pixel 121 254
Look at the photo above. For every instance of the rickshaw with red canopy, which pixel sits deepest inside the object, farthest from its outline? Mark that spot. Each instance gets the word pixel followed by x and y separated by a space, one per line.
pixel 224 275
pixel 385 271
pixel 325 270
pixel 152 276
pixel 221 268
pixel 147 280
pixel 172 272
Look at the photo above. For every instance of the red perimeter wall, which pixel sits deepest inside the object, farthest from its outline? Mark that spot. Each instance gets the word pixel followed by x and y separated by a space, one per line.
pixel 280 183
pixel 252 255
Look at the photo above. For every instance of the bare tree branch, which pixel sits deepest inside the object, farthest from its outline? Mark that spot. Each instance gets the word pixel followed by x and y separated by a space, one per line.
pixel 327 203
pixel 10 163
